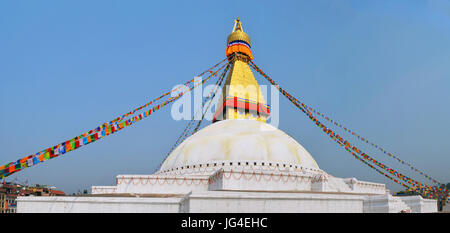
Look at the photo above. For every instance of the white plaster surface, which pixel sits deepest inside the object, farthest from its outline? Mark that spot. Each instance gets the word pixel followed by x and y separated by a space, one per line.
pixel 385 204
pixel 67 204
pixel 239 140
pixel 235 166
pixel 161 184
pixel 273 202
pixel 419 204
pixel 229 190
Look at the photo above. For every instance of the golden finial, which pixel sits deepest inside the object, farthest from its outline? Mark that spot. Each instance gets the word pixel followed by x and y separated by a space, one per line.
pixel 237 25
pixel 238 33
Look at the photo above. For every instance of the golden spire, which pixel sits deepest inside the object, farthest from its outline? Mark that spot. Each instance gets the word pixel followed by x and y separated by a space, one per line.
pixel 241 97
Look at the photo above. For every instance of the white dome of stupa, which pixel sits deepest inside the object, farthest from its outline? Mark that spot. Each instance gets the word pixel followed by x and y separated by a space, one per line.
pixel 239 140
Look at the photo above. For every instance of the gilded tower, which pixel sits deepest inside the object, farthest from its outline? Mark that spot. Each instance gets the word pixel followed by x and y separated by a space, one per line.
pixel 241 96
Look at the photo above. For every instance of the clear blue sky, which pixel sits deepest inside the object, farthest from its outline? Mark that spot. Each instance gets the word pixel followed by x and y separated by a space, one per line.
pixel 379 67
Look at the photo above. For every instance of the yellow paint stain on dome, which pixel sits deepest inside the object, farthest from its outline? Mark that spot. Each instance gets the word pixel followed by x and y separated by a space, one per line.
pixel 267 147
pixel 226 148
pixel 294 150
pixel 186 151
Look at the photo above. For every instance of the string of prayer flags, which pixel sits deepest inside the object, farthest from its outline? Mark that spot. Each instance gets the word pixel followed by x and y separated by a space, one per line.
pixel 363 157
pixel 96 134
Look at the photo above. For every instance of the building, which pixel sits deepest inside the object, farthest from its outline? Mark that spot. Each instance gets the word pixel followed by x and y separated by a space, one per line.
pixel 8 195
pixel 3 204
pixel 11 204
pixel 239 163
pixel 10 191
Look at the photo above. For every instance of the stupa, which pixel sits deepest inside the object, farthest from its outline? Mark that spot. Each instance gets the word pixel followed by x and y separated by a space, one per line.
pixel 238 163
